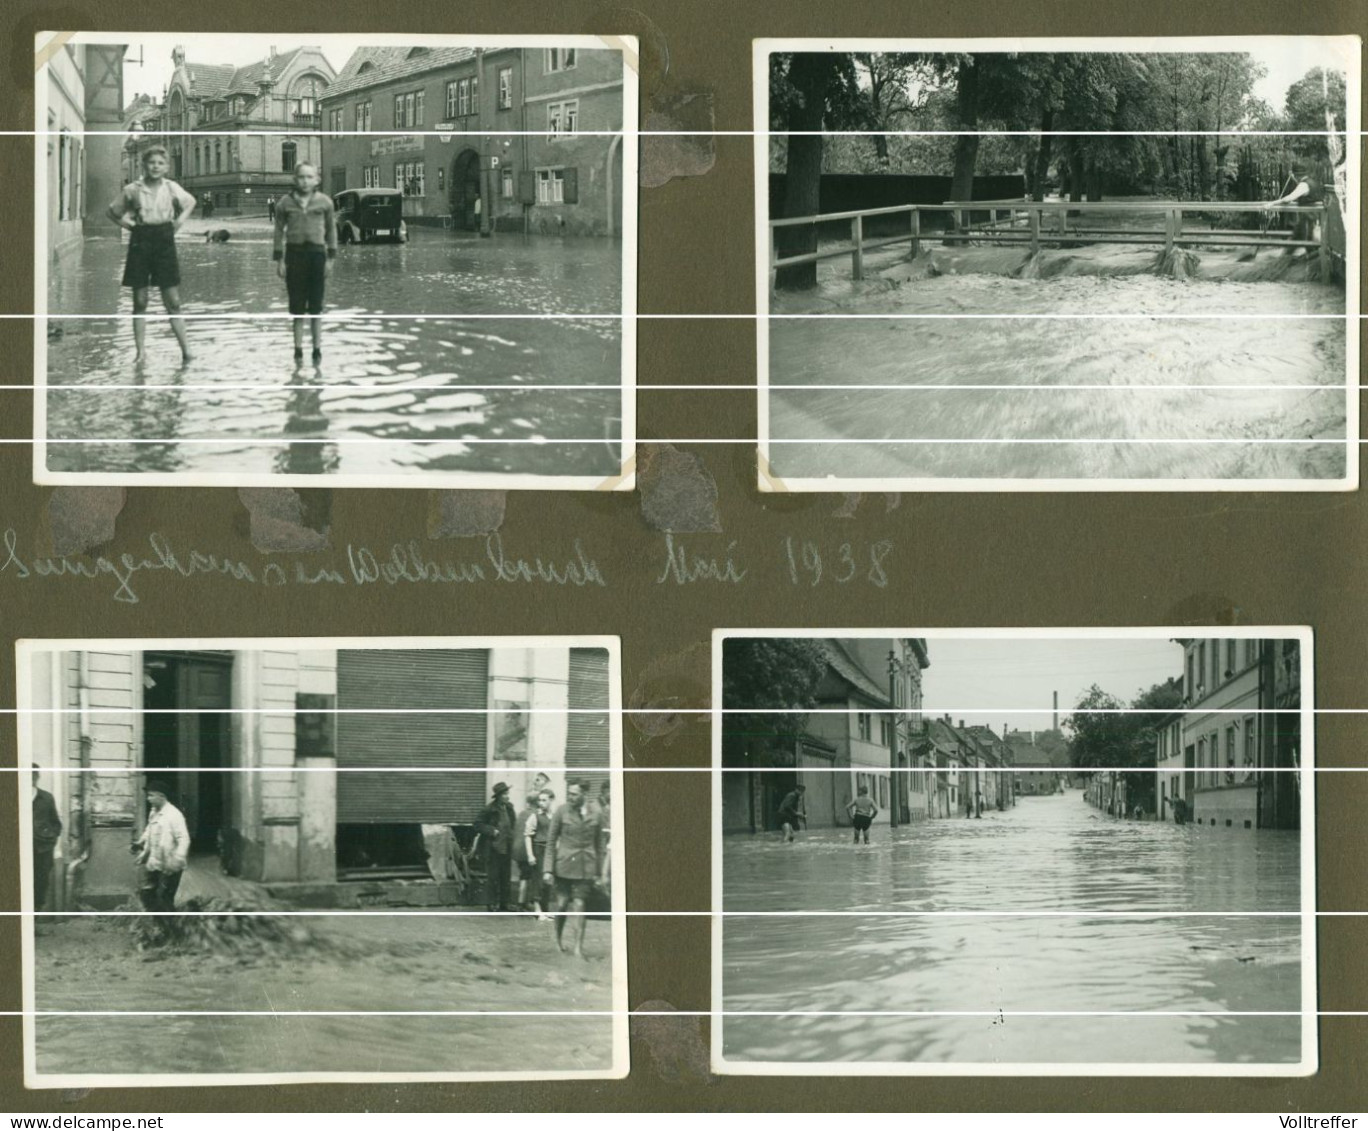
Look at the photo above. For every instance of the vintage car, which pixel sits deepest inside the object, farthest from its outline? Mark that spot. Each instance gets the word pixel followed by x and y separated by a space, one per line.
pixel 368 214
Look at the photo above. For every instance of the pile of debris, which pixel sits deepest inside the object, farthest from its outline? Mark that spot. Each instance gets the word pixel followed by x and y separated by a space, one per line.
pixel 217 926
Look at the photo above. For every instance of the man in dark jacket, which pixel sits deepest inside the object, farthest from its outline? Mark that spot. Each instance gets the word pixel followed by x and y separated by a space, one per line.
pixel 47 830
pixel 495 826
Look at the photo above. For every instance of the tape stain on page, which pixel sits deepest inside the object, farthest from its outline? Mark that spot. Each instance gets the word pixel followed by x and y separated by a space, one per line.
pixel 82 518
pixel 282 520
pixel 465 514
pixel 678 493
pixel 691 154
pixel 678 1050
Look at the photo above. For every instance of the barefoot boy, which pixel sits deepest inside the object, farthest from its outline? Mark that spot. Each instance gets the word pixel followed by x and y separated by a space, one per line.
pixel 152 209
pixel 304 246
pixel 862 812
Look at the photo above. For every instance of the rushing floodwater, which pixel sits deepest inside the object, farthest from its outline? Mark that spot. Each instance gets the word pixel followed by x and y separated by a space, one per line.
pixel 364 964
pixel 244 385
pixel 923 360
pixel 1049 853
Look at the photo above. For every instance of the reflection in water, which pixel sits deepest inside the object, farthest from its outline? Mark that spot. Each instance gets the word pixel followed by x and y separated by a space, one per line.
pixel 922 358
pixel 308 452
pixel 392 379
pixel 1048 854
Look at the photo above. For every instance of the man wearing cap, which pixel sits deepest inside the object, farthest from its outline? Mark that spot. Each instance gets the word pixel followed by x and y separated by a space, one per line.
pixel 495 826
pixel 575 862
pixel 162 851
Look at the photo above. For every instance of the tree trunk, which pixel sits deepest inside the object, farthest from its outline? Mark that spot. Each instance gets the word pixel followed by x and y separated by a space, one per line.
pixel 966 144
pixel 1203 165
pixel 1042 161
pixel 810 74
pixel 1094 179
pixel 1076 182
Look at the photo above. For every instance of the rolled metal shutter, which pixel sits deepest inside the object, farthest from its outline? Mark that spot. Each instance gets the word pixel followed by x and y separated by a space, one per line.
pixel 586 740
pixel 413 681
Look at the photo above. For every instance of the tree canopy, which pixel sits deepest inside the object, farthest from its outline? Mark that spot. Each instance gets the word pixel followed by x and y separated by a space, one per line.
pixel 1197 106
pixel 1116 739
pixel 767 675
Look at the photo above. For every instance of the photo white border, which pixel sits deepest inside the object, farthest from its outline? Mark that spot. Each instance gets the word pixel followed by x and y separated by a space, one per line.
pixel 27 651
pixel 1349 47
pixel 1309 1063
pixel 624 479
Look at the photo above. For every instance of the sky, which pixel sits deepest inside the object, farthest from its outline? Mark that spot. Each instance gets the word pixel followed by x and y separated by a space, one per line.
pixel 1023 673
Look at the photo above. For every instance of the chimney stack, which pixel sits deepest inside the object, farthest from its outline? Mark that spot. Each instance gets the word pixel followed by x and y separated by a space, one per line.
pixel 1056 710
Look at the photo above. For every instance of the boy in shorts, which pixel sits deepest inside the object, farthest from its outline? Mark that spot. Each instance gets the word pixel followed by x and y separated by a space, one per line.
pixel 152 210
pixel 303 248
pixel 862 812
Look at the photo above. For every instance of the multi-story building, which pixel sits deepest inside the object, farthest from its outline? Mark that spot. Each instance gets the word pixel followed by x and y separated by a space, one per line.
pixel 1242 732
pixel 1172 770
pixel 427 120
pixel 84 92
pixel 941 749
pixel 1042 761
pixel 229 130
pixel 278 782
pixel 995 772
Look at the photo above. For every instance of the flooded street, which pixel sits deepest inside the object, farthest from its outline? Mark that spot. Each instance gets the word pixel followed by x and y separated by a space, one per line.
pixel 1048 854
pixel 358 963
pixel 382 378
pixel 922 361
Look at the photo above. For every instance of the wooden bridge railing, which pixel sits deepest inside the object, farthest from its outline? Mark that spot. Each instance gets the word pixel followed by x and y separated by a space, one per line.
pixel 1044 222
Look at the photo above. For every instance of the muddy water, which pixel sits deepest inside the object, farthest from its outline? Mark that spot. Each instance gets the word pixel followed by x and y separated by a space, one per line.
pixel 922 363
pixel 1050 853
pixel 415 385
pixel 355 963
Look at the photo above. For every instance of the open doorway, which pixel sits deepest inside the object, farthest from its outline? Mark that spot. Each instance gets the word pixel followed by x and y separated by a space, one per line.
pixel 465 191
pixel 187 741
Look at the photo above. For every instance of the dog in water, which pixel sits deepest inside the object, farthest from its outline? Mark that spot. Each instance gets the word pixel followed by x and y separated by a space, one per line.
pixel 218 235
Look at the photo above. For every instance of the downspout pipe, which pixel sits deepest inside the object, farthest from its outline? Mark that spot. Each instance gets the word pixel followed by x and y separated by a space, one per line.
pixel 84 743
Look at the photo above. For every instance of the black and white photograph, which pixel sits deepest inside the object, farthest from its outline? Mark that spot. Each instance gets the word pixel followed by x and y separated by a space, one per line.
pixel 1014 852
pixel 320 259
pixel 258 861
pixel 1075 264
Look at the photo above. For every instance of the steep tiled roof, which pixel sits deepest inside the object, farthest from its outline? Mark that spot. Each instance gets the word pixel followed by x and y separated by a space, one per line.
pixel 209 80
pixel 389 64
pixel 244 79
pixel 849 670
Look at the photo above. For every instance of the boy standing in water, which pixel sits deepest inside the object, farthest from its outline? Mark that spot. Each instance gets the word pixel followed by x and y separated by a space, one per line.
pixel 792 812
pixel 862 812
pixel 152 209
pixel 303 248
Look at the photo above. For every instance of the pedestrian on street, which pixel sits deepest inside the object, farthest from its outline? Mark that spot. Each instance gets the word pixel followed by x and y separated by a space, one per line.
pixel 47 831
pixel 793 811
pixel 162 851
pixel 576 862
pixel 530 821
pixel 495 825
pixel 270 209
pixel 862 812
pixel 546 808
pixel 152 210
pixel 303 247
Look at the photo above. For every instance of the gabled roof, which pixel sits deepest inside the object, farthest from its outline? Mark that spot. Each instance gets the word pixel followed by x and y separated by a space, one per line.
pixel 245 79
pixel 849 669
pixel 390 64
pixel 209 80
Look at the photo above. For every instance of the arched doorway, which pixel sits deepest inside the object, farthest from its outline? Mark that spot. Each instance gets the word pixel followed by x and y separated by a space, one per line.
pixel 465 190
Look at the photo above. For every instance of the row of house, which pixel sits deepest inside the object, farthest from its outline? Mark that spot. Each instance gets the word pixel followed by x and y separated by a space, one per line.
pixel 1226 755
pixel 83 89
pixel 423 120
pixel 279 784
pixel 868 722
